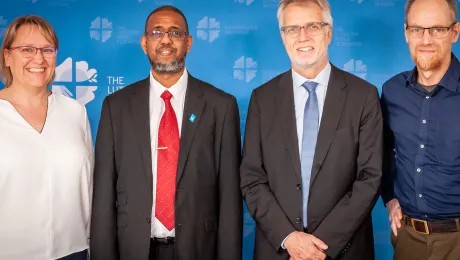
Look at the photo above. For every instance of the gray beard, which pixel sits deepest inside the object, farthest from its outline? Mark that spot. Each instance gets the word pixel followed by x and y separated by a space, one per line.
pixel 172 67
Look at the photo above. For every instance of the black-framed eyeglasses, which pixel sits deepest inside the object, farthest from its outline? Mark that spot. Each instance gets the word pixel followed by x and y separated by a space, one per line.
pixel 30 51
pixel 173 35
pixel 437 32
pixel 312 29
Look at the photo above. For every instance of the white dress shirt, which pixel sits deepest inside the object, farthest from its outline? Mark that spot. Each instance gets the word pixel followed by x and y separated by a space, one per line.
pixel 157 108
pixel 301 97
pixel 45 182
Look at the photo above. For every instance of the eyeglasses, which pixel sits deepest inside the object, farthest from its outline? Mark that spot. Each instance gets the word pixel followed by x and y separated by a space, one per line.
pixel 173 35
pixel 435 32
pixel 311 29
pixel 30 51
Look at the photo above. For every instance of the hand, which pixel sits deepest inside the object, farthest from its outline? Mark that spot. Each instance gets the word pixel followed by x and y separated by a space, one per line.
pixel 303 246
pixel 395 215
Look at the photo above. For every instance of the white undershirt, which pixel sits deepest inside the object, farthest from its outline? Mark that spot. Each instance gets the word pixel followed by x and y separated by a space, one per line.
pixel 45 182
pixel 157 108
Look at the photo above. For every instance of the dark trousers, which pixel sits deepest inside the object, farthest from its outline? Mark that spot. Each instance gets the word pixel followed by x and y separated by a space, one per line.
pixel 83 255
pixel 411 245
pixel 160 251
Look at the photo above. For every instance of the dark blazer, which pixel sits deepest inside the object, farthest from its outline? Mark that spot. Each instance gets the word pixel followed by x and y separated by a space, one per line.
pixel 208 202
pixel 346 168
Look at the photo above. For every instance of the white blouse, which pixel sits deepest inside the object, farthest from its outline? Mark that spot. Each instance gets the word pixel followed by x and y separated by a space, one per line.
pixel 45 182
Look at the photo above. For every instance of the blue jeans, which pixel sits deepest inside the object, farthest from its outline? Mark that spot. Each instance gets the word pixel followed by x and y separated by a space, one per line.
pixel 83 255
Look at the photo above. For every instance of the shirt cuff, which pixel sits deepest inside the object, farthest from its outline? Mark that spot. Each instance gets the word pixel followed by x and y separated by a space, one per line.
pixel 282 243
pixel 386 197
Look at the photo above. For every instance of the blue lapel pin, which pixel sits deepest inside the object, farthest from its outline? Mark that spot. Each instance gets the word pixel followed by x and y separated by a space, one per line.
pixel 192 118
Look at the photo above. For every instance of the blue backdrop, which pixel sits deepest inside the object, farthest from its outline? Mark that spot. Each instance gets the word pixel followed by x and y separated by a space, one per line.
pixel 236 47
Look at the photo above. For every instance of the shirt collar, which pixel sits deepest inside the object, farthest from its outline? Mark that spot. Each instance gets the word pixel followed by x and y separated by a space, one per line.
pixel 322 78
pixel 177 90
pixel 448 81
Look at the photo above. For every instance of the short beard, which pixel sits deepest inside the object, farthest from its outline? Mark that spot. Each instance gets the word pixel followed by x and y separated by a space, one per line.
pixel 168 68
pixel 306 65
pixel 427 64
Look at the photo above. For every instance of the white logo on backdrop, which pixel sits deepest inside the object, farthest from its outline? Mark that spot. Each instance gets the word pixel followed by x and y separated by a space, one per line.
pixel 356 67
pixel 247 2
pixel 100 29
pixel 245 69
pixel 82 78
pixel 208 29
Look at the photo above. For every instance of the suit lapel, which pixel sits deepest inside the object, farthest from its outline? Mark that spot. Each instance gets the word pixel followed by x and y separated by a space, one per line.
pixel 193 107
pixel 333 106
pixel 285 102
pixel 141 116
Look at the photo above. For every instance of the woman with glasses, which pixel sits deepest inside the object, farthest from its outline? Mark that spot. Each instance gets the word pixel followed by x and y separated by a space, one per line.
pixel 46 152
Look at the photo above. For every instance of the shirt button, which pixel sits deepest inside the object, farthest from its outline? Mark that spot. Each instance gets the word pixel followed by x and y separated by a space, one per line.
pixel 427 97
pixel 419 170
pixel 422 146
pixel 424 121
pixel 420 195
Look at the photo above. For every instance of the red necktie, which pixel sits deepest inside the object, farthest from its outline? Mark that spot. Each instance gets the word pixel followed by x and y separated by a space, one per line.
pixel 168 153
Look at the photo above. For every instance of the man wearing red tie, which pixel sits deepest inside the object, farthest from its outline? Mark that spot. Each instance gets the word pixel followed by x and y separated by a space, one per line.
pixel 166 180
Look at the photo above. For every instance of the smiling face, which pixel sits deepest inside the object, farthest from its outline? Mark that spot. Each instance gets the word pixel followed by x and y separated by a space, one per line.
pixel 306 51
pixel 167 53
pixel 31 71
pixel 428 52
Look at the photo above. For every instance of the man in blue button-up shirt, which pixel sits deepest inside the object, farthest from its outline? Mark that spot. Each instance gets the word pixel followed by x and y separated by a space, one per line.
pixel 421 109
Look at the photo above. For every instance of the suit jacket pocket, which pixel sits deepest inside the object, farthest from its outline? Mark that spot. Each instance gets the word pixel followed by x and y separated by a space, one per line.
pixel 122 220
pixel 210 224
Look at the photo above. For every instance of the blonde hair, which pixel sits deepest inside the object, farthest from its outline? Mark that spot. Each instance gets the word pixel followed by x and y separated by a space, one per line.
pixel 45 29
pixel 323 4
